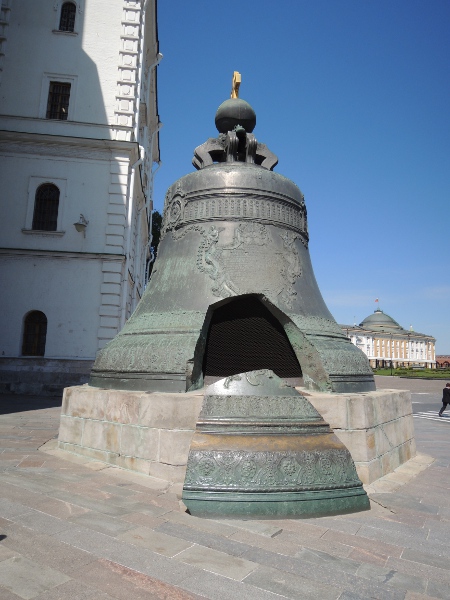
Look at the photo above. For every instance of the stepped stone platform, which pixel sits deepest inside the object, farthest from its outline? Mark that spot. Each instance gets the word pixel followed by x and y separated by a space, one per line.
pixel 151 432
pixel 377 428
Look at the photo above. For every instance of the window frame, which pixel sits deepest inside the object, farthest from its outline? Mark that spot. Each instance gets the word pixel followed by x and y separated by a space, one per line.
pixel 44 210
pixel 75 8
pixel 34 183
pixel 49 78
pixel 24 333
pixel 58 108
pixel 79 10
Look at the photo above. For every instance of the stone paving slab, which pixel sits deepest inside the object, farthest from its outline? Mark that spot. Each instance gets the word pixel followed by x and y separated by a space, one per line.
pixel 362 543
pixel 102 523
pixel 292 586
pixel 216 587
pixel 73 590
pixel 315 543
pixel 96 532
pixel 417 569
pixel 258 527
pixel 156 541
pixel 281 546
pixel 208 540
pixel 393 578
pixel 329 575
pixel 127 584
pixel 42 523
pixel 426 559
pixel 323 560
pixel 217 562
pixel 26 578
pixel 46 550
pixel 129 555
pixel 11 510
pixel 222 528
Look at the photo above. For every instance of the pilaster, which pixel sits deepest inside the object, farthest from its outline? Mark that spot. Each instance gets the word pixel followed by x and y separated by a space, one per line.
pixel 5 10
pixel 128 68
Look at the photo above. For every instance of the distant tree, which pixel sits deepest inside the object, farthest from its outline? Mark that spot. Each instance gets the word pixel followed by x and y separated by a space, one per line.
pixel 156 236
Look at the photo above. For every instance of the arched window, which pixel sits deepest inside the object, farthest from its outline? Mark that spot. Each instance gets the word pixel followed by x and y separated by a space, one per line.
pixel 34 334
pixel 46 203
pixel 67 20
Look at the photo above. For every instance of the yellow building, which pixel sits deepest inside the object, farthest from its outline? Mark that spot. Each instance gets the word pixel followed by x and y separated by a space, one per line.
pixel 387 344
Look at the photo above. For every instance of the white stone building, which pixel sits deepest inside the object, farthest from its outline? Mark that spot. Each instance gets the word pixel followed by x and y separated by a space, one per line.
pixel 78 148
pixel 387 344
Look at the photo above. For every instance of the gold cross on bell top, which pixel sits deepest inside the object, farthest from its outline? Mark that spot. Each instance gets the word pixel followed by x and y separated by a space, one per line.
pixel 236 82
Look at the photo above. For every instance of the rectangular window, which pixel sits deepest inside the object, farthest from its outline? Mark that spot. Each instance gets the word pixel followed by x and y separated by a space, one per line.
pixel 58 100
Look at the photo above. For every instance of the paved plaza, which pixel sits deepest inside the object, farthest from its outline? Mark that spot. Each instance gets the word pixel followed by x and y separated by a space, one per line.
pixel 76 529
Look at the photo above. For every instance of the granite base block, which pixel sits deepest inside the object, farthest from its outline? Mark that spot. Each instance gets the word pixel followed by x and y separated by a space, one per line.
pixel 151 433
pixel 377 428
pixel 148 433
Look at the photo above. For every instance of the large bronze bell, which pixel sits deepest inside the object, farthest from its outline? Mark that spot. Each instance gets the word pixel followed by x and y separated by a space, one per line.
pixel 232 289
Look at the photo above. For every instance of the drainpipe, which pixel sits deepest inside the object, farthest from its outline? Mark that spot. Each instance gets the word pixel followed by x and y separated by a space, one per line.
pixel 159 58
pixel 150 179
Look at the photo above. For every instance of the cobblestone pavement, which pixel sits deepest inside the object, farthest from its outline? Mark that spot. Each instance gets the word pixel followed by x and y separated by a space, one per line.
pixel 75 529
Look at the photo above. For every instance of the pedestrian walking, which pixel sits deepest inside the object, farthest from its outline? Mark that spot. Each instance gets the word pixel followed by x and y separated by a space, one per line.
pixel 445 398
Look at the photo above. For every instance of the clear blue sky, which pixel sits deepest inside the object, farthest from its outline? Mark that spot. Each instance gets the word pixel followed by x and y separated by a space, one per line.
pixel 354 98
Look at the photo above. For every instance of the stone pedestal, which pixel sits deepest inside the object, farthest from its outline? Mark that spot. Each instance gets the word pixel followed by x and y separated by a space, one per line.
pixel 377 428
pixel 151 432
pixel 145 432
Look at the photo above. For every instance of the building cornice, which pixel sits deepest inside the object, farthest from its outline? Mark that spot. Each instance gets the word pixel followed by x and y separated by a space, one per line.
pixel 96 130
pixel 378 333
pixel 64 140
pixel 64 254
pixel 63 147
pixel 20 124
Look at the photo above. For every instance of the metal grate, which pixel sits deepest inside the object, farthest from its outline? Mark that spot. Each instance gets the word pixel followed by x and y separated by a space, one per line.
pixel 34 334
pixel 46 204
pixel 67 20
pixel 58 100
pixel 245 336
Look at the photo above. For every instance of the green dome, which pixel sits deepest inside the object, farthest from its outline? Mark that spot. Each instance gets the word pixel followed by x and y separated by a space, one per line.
pixel 380 320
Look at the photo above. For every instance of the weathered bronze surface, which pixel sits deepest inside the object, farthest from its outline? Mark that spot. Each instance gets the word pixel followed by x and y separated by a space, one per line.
pixel 261 450
pixel 233 232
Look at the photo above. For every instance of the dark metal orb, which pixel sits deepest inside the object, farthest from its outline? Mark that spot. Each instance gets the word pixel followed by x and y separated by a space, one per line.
pixel 235 111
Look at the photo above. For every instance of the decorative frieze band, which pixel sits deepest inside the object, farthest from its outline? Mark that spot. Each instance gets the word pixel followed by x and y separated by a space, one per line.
pixel 229 207
pixel 267 471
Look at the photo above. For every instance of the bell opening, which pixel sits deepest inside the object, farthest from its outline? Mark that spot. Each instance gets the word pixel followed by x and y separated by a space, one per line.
pixel 243 335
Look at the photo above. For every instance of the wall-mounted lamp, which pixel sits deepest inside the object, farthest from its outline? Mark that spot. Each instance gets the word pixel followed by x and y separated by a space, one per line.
pixel 81 225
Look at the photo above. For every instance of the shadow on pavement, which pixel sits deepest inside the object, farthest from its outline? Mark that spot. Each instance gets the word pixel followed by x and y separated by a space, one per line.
pixel 10 403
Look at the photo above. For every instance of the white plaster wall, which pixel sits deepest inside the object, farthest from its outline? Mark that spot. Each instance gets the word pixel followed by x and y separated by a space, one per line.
pixel 65 290
pixel 101 44
pixel 81 283
pixel 91 56
pixel 85 189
